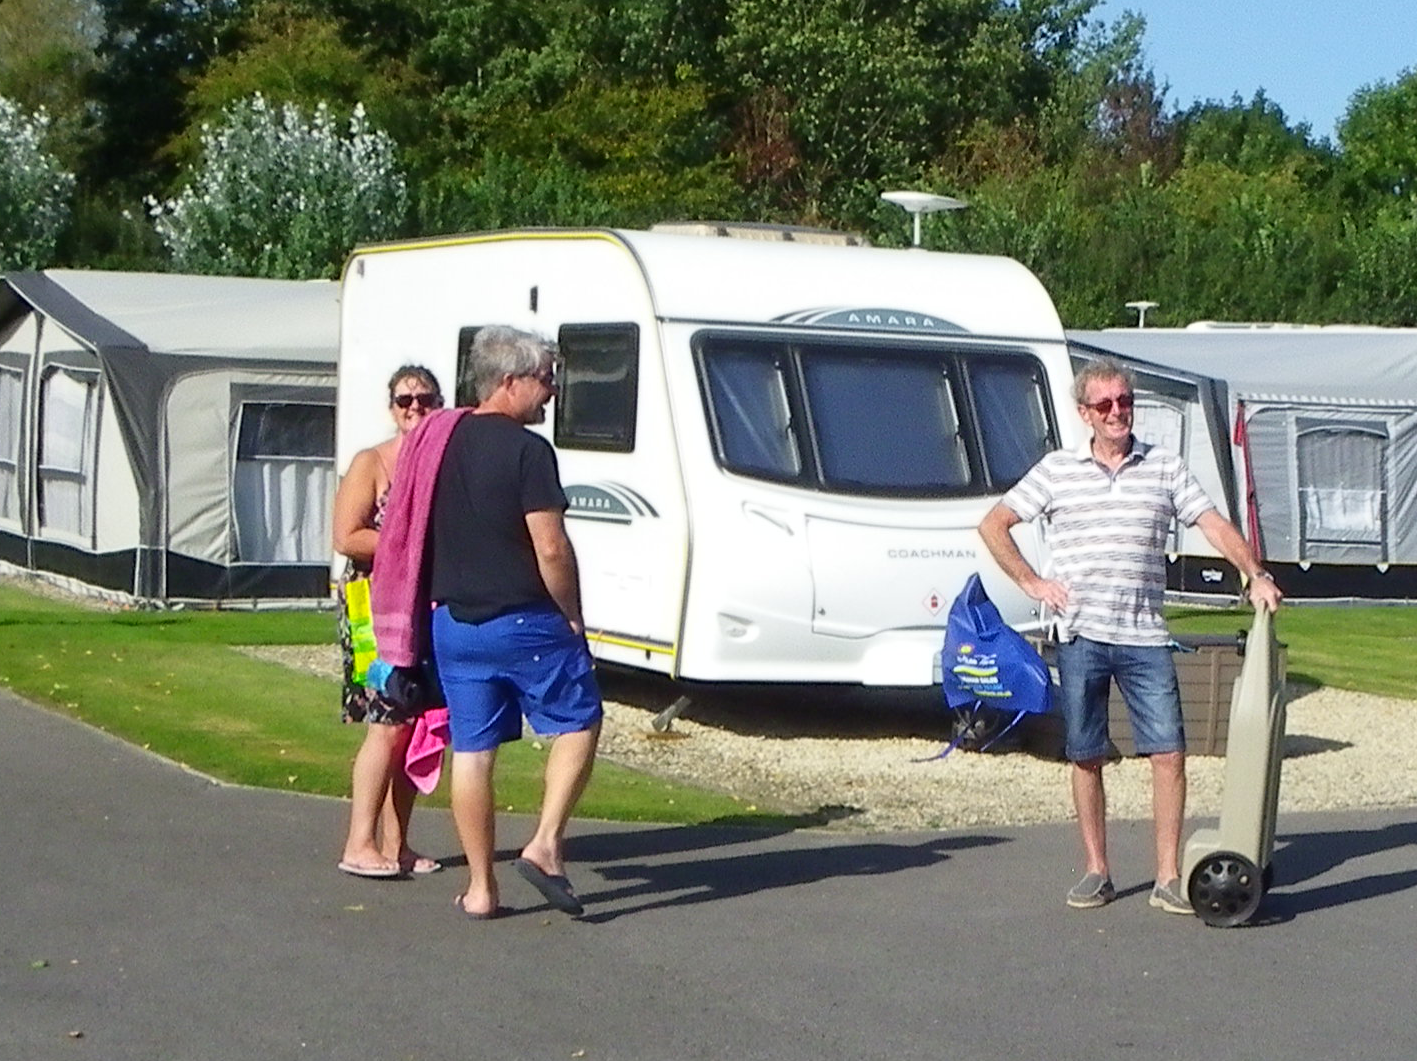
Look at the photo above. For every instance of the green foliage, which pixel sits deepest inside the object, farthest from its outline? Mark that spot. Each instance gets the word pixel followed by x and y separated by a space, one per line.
pixel 1379 286
pixel 34 190
pixel 148 53
pixel 1377 135
pixel 47 52
pixel 288 55
pixel 1366 649
pixel 1041 115
pixel 278 196
pixel 507 192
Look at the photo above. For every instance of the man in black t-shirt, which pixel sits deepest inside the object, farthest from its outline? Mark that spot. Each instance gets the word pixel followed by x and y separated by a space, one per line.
pixel 508 637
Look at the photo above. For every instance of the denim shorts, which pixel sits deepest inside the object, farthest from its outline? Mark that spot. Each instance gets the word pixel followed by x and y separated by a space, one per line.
pixel 1146 677
pixel 524 662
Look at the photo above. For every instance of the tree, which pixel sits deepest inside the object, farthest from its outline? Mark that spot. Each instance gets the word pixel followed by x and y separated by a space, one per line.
pixel 278 196
pixel 34 190
pixel 287 54
pixel 47 51
pixel 1376 134
pixel 149 51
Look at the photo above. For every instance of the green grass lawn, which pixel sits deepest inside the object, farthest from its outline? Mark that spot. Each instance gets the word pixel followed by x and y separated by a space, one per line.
pixel 1371 650
pixel 170 682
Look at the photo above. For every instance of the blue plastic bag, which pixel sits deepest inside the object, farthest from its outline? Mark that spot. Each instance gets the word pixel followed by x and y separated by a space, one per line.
pixel 986 662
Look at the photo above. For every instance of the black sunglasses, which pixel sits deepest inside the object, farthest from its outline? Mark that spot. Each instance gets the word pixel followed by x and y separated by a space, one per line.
pixel 425 401
pixel 1102 408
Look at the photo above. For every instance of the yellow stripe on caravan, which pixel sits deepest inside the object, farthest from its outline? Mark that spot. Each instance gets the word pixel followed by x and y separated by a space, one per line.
pixel 624 642
pixel 488 237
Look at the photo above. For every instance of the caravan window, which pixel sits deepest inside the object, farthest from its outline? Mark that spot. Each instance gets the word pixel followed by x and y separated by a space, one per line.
pixel 1012 414
pixel 905 420
pixel 869 452
pixel 11 411
pixel 597 386
pixel 747 396
pixel 68 434
pixel 1343 503
pixel 284 482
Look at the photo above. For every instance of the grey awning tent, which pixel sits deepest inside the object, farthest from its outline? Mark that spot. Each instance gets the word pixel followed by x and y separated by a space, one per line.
pixel 1313 444
pixel 169 437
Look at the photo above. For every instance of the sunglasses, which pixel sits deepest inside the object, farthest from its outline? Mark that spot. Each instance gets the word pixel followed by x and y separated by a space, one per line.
pixel 547 377
pixel 1104 407
pixel 425 401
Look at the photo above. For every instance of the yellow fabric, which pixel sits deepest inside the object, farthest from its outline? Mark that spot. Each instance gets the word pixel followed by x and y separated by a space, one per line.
pixel 361 626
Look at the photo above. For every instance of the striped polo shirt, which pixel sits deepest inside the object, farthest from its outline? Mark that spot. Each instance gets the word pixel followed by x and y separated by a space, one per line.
pixel 1106 532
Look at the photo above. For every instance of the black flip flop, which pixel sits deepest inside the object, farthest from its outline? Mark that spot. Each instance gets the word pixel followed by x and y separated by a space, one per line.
pixel 555 889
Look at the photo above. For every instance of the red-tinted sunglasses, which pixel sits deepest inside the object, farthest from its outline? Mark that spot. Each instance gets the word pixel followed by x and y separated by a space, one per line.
pixel 1104 407
pixel 425 401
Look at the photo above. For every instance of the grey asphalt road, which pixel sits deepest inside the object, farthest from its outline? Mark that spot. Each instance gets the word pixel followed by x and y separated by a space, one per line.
pixel 150 914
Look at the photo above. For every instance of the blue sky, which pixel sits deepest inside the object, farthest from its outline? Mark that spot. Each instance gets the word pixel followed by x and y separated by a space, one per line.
pixel 1309 56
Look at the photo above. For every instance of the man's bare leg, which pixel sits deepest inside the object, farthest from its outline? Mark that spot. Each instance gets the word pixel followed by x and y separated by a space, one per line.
pixel 474 813
pixel 568 769
pixel 1090 802
pixel 1168 807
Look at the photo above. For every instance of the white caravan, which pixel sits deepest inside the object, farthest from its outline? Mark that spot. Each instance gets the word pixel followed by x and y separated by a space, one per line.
pixel 776 451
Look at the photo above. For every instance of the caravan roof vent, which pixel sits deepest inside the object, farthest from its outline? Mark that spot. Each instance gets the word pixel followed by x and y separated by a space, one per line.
pixel 761 231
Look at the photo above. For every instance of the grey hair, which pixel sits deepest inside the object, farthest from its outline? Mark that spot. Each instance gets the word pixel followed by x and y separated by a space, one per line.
pixel 1102 368
pixel 499 351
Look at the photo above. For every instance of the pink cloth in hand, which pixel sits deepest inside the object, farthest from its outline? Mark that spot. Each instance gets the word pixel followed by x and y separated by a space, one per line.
pixel 423 762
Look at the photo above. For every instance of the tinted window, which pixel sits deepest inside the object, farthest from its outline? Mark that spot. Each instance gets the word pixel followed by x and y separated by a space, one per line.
pixel 1013 420
pixel 286 429
pixel 911 420
pixel 858 406
pixel 597 386
pixel 748 399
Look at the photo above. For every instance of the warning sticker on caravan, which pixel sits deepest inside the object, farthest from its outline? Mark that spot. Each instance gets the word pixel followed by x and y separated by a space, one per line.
pixel 606 503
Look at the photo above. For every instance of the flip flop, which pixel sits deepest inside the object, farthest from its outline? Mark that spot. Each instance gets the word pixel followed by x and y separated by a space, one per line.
pixel 421 867
pixel 491 915
pixel 354 869
pixel 554 888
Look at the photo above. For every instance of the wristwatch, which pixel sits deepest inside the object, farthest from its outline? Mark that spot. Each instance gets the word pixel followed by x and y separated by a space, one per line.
pixel 1262 573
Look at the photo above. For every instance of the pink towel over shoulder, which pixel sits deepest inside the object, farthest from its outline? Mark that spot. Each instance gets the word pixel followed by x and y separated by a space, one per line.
pixel 398 586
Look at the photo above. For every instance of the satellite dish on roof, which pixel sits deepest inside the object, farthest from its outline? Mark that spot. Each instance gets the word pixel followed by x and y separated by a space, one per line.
pixel 917 203
pixel 1141 306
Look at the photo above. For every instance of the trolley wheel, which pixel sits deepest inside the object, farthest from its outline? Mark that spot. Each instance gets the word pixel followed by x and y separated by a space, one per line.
pixel 1226 889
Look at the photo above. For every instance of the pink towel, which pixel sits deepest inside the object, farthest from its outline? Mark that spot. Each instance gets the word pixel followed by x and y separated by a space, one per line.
pixel 423 763
pixel 398 586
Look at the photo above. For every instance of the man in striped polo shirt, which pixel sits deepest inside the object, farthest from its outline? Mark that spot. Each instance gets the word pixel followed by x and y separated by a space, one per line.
pixel 1106 509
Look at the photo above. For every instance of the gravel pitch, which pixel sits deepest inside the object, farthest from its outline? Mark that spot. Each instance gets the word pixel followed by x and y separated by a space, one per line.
pixel 864 760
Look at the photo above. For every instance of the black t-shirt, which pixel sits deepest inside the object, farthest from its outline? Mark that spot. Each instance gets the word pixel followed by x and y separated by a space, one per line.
pixel 494 472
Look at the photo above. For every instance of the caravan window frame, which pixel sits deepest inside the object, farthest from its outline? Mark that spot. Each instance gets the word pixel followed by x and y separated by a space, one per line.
pixel 580 384
pixel 960 369
pixel 244 538
pixel 12 435
pixel 1312 539
pixel 85 475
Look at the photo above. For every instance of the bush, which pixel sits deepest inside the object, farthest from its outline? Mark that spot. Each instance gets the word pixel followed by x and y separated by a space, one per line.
pixel 34 190
pixel 278 196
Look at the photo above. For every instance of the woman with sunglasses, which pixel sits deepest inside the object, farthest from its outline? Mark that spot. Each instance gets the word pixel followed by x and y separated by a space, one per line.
pixel 381 795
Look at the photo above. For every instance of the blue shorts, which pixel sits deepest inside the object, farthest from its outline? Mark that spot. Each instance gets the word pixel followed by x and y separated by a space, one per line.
pixel 526 662
pixel 1146 676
